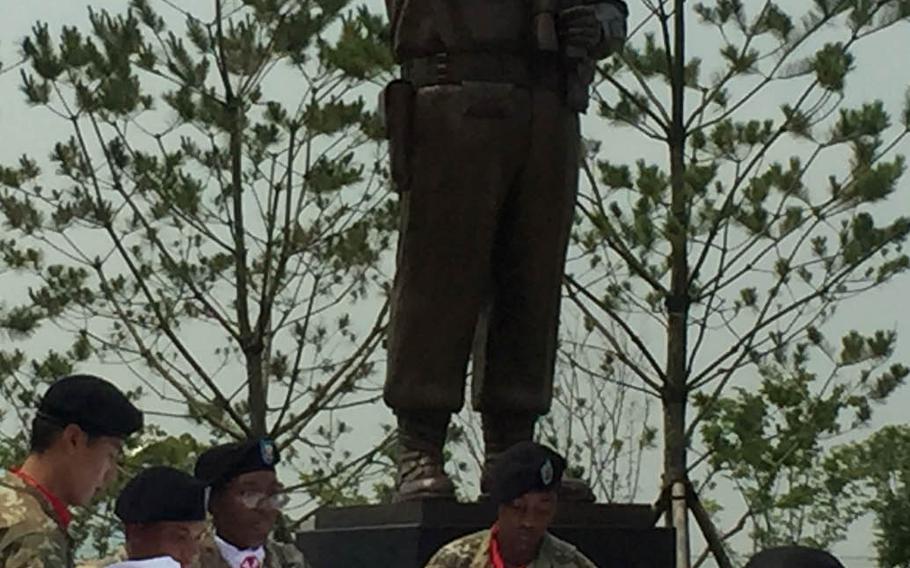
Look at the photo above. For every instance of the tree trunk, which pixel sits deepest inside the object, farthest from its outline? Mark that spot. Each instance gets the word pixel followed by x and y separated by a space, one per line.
pixel 715 540
pixel 255 373
pixel 251 337
pixel 677 303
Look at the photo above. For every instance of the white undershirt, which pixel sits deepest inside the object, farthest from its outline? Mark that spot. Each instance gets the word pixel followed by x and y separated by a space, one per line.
pixel 159 562
pixel 235 556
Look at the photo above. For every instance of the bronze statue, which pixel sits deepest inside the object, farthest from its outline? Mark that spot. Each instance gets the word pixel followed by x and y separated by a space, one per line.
pixel 485 147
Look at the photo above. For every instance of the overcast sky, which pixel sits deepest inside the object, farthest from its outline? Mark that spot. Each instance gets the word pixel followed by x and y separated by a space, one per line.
pixel 882 73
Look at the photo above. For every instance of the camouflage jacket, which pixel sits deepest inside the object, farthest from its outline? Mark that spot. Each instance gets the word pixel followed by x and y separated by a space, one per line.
pixel 119 555
pixel 473 551
pixel 277 555
pixel 30 536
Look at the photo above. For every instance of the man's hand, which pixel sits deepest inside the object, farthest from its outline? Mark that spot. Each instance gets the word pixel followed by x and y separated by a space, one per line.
pixel 579 28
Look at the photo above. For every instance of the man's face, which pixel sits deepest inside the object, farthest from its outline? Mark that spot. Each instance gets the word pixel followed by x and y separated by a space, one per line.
pixel 523 523
pixel 92 464
pixel 243 511
pixel 179 540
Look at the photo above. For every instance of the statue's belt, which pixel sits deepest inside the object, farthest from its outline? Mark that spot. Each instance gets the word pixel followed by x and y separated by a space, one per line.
pixel 456 68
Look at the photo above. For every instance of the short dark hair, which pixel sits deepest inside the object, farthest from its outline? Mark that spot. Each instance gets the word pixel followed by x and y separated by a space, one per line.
pixel 45 433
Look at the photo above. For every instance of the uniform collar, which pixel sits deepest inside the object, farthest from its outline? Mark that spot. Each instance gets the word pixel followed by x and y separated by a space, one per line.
pixel 159 562
pixel 235 556
pixel 495 555
pixel 62 512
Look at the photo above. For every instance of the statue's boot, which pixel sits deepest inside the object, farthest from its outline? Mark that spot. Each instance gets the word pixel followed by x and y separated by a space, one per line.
pixel 502 431
pixel 421 473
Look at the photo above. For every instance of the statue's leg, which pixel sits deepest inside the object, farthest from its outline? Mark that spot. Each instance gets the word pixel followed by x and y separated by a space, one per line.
pixel 502 430
pixel 516 345
pixel 461 167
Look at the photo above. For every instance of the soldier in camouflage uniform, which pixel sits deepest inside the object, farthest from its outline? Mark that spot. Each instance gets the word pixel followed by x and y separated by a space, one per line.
pixel 277 555
pixel 473 551
pixel 76 439
pixel 524 484
pixel 245 502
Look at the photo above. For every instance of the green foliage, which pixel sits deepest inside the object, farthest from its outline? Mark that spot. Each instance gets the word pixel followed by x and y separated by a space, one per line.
pixel 774 442
pixel 717 269
pixel 209 221
pixel 879 470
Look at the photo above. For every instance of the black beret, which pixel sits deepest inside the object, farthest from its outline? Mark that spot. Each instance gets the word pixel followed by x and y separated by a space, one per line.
pixel 93 404
pixel 793 557
pixel 524 468
pixel 161 494
pixel 223 463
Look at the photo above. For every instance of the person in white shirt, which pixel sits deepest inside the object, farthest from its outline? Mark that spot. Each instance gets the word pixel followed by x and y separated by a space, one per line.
pixel 163 511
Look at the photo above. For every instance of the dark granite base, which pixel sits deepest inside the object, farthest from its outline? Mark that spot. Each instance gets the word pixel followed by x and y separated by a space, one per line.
pixel 406 535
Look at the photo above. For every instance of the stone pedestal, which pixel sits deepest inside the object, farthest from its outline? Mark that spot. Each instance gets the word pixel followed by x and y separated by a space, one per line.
pixel 405 535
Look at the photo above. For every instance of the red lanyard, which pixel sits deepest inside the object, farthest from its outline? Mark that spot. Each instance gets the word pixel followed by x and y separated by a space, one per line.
pixel 495 556
pixel 63 513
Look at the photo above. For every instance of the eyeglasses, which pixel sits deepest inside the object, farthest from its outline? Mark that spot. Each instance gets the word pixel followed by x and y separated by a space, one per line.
pixel 260 500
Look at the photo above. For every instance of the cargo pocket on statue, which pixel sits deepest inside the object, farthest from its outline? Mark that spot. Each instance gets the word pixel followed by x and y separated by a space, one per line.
pixel 486 100
pixel 397 110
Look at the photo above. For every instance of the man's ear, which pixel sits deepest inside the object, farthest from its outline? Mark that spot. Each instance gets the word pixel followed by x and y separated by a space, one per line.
pixel 134 533
pixel 73 437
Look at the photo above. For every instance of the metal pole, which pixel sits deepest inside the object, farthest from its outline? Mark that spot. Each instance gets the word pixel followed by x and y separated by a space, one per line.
pixel 681 523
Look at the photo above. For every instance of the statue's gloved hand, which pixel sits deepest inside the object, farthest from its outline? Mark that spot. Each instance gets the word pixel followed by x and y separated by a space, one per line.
pixel 579 28
pixel 613 18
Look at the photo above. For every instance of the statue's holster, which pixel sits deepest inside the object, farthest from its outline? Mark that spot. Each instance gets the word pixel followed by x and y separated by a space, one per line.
pixel 397 108
pixel 579 69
